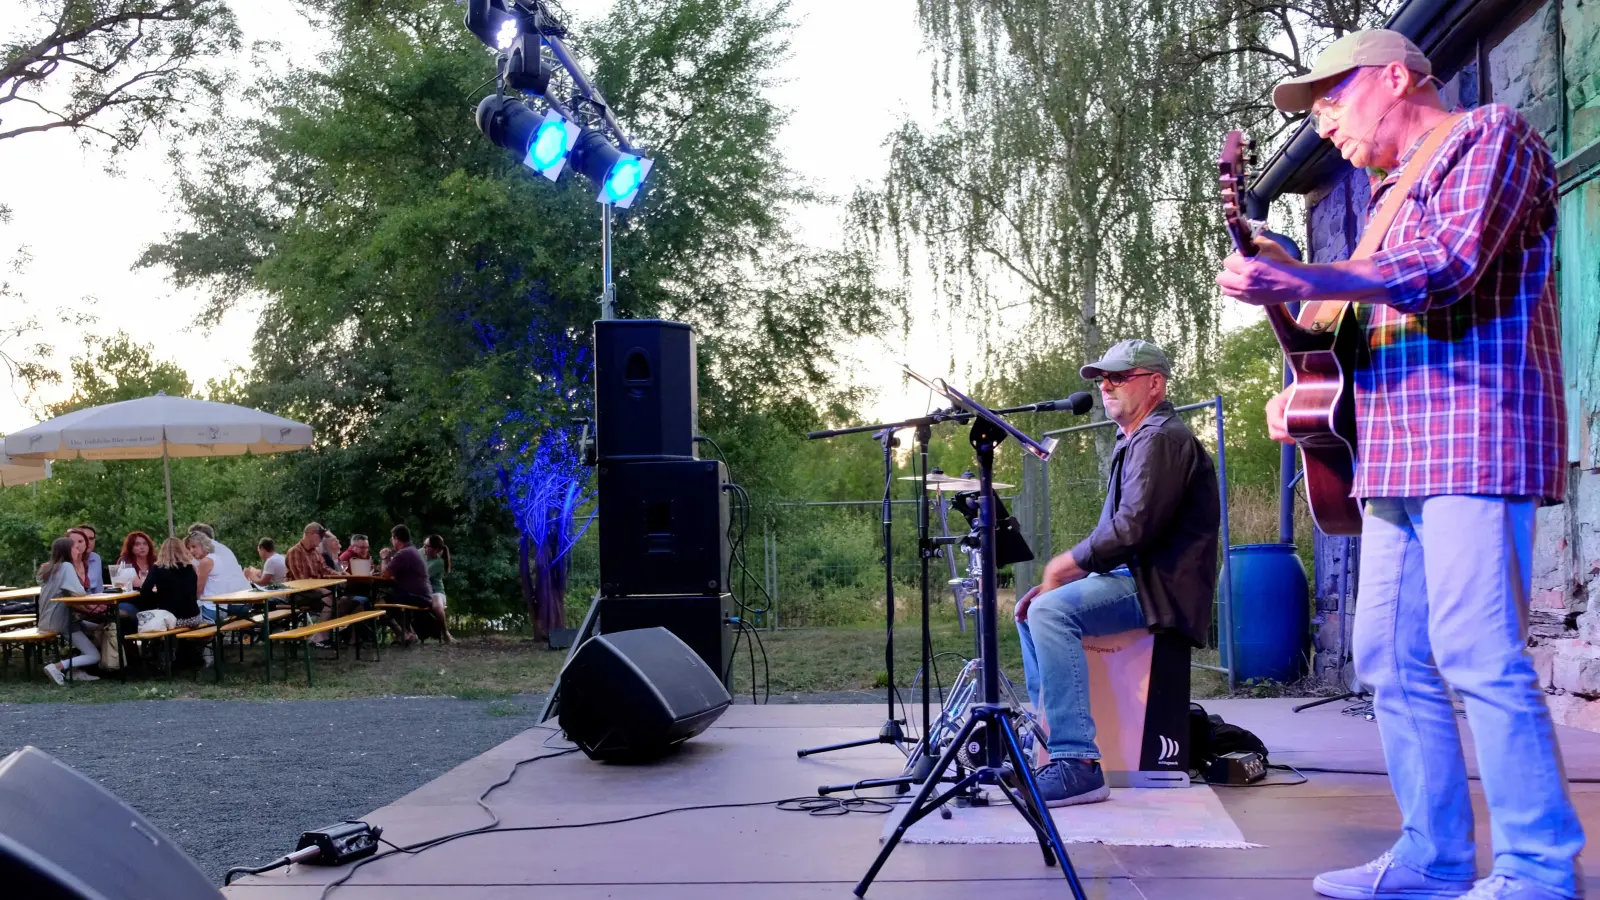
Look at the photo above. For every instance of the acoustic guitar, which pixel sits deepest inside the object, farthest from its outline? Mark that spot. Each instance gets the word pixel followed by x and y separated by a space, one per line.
pixel 1323 347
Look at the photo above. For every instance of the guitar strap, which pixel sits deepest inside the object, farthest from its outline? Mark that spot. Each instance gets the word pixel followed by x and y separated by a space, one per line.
pixel 1323 315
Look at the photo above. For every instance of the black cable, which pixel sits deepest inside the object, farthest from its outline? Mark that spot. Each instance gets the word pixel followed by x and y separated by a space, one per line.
pixel 788 804
pixel 766 666
pixel 423 845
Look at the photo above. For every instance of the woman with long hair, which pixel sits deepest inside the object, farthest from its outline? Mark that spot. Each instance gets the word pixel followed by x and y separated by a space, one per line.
pixel 58 578
pixel 173 585
pixel 139 554
pixel 80 567
pixel 438 559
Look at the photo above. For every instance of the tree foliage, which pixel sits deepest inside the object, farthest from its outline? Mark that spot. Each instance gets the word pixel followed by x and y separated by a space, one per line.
pixel 111 69
pixel 415 276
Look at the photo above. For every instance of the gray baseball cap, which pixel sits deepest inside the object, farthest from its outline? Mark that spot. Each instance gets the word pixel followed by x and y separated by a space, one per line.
pixel 1372 47
pixel 1130 354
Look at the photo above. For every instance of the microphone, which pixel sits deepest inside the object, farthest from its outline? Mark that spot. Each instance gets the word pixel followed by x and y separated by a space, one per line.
pixel 1077 404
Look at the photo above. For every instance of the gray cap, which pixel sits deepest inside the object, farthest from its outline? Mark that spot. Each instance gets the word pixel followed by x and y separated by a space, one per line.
pixel 1372 47
pixel 1130 354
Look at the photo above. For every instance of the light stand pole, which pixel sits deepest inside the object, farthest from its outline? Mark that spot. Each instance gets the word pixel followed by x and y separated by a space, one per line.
pixel 608 288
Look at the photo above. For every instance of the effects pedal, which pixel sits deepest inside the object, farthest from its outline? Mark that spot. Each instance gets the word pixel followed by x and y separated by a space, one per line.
pixel 1239 767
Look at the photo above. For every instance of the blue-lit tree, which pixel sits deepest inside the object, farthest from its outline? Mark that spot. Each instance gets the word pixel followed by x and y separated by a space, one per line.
pixel 547 489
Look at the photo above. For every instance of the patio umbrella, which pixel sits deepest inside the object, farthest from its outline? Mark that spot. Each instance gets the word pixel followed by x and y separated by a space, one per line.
pixel 159 426
pixel 21 471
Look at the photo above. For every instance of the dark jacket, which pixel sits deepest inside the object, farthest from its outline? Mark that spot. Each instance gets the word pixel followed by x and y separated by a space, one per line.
pixel 175 589
pixel 1160 519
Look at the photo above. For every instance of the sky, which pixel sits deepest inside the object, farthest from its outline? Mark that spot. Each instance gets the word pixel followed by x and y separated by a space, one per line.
pixel 855 71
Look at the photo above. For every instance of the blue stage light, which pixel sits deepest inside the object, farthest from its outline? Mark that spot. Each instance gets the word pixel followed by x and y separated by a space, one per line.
pixel 547 154
pixel 506 34
pixel 620 175
pixel 624 179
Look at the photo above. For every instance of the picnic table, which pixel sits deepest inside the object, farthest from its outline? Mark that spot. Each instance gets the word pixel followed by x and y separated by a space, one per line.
pixel 263 597
pixel 27 593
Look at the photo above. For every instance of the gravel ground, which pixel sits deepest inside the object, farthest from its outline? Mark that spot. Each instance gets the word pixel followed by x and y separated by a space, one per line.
pixel 235 782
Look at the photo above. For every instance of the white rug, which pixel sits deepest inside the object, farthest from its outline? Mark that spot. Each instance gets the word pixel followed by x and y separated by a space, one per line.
pixel 1139 817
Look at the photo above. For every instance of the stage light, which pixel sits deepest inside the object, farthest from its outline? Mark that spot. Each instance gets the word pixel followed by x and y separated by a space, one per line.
pixel 620 175
pixel 547 153
pixel 506 34
pixel 525 68
pixel 507 122
pixel 490 22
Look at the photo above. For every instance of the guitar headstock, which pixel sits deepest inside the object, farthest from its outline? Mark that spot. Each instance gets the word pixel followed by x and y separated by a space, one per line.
pixel 1238 154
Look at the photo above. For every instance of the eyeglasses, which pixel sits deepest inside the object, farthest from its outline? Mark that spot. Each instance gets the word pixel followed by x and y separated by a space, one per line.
pixel 1118 379
pixel 1332 101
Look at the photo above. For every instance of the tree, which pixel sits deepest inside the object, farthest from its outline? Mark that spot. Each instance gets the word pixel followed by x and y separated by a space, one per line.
pixel 1072 173
pixel 111 68
pixel 416 277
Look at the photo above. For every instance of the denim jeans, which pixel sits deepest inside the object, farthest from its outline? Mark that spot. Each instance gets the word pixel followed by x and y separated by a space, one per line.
pixel 1052 654
pixel 1443 599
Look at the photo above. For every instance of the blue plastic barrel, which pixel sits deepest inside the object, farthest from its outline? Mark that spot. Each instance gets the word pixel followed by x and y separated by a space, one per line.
pixel 1271 612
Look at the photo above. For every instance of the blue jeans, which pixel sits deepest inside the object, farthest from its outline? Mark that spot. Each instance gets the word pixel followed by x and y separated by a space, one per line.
pixel 1443 599
pixel 1052 654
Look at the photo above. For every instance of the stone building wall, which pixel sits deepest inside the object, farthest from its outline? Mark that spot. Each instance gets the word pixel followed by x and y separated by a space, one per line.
pixel 1527 68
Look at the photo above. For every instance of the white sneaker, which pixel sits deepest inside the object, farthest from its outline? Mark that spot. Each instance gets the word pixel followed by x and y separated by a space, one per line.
pixel 54 671
pixel 81 675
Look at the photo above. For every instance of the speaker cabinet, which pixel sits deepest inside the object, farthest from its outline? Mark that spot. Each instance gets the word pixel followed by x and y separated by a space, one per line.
pixel 701 621
pixel 663 527
pixel 636 695
pixel 63 837
pixel 646 390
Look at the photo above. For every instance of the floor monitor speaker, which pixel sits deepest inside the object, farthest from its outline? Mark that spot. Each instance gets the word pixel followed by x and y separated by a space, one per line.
pixel 63 837
pixel 635 695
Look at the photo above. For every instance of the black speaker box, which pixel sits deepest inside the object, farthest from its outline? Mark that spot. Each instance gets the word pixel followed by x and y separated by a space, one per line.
pixel 646 390
pixel 701 621
pixel 663 527
pixel 63 837
pixel 635 695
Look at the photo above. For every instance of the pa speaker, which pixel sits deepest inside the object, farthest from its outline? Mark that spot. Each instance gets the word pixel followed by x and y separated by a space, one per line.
pixel 646 388
pixel 663 527
pixel 701 621
pixel 635 695
pixel 63 837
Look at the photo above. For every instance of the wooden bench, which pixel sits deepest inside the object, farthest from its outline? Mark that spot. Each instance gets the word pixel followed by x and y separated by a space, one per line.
pixel 307 632
pixel 7 623
pixel 230 626
pixel 28 639
pixel 165 637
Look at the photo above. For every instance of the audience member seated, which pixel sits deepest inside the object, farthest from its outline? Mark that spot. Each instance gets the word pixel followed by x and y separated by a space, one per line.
pixel 411 587
pixel 83 568
pixel 198 546
pixel 139 554
pixel 274 568
pixel 438 558
pixel 305 561
pixel 226 577
pixel 99 575
pixel 59 578
pixel 1150 563
pixel 174 585
pixel 360 548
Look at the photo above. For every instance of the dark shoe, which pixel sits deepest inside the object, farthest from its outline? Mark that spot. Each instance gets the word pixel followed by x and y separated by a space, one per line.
pixel 1069 782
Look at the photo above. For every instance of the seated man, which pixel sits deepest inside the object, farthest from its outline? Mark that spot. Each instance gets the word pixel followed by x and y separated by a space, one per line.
pixel 1151 562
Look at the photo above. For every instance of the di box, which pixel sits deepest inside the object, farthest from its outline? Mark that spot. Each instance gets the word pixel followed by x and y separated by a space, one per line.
pixel 663 527
pixel 699 620
pixel 646 389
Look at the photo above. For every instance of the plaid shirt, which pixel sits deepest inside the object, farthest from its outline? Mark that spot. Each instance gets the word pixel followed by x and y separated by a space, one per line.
pixel 1464 394
pixel 306 564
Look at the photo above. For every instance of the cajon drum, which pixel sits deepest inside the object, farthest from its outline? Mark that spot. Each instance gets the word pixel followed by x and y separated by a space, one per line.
pixel 1139 699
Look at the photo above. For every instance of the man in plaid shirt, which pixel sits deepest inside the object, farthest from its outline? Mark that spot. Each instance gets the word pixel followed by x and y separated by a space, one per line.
pixel 1462 429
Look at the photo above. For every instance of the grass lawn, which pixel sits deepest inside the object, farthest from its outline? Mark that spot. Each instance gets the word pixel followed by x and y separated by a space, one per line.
pixel 801 661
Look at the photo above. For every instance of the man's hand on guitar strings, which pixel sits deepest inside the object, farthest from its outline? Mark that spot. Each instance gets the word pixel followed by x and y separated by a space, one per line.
pixel 1277 424
pixel 1266 279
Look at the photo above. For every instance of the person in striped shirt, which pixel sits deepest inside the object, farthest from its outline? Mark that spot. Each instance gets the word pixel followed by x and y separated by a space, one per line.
pixel 1461 430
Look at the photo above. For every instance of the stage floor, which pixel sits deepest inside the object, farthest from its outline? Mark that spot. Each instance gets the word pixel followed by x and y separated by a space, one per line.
pixel 760 853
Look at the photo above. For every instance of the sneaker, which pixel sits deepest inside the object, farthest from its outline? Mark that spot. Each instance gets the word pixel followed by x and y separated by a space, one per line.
pixel 1069 782
pixel 1502 887
pixel 80 675
pixel 54 671
pixel 1385 878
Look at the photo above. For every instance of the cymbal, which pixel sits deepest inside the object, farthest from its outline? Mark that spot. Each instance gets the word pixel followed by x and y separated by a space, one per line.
pixel 938 481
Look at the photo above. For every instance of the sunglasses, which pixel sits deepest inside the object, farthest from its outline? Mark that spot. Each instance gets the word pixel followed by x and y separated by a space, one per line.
pixel 1117 379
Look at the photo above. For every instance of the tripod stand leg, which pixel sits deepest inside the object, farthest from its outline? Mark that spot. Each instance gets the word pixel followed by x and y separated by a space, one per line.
pixel 1353 695
pixel 920 806
pixel 864 742
pixel 1049 838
